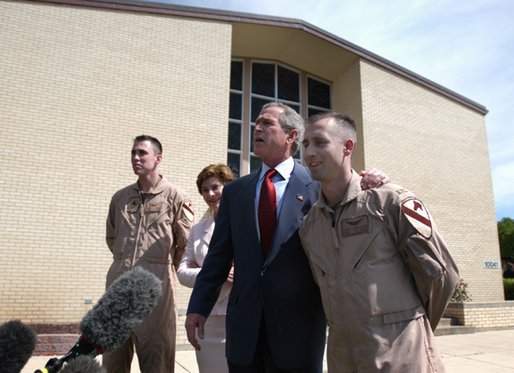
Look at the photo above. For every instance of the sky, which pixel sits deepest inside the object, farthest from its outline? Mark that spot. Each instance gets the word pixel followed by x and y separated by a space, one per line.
pixel 465 46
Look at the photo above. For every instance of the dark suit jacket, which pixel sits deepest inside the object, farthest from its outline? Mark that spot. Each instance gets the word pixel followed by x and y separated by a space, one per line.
pixel 281 288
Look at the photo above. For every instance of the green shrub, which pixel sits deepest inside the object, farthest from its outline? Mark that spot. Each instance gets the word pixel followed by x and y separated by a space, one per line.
pixel 461 293
pixel 508 288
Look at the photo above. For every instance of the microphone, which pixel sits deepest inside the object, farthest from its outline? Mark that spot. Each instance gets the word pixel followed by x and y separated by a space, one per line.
pixel 83 364
pixel 17 342
pixel 123 307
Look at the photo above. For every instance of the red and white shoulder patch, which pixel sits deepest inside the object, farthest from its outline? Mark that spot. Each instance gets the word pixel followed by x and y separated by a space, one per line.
pixel 417 214
pixel 187 210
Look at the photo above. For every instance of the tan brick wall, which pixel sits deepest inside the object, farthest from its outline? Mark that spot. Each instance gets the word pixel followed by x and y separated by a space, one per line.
pixel 77 85
pixel 438 149
pixel 484 315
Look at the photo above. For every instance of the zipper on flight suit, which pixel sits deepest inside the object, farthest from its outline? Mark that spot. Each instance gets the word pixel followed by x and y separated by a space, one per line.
pixel 334 228
pixel 138 234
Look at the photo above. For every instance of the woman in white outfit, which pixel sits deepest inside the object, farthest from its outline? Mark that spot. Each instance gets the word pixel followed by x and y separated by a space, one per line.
pixel 210 183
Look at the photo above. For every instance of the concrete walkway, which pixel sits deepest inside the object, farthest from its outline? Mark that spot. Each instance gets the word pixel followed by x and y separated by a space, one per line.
pixel 480 352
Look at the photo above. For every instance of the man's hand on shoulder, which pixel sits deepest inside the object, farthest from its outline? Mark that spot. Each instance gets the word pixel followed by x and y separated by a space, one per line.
pixel 373 179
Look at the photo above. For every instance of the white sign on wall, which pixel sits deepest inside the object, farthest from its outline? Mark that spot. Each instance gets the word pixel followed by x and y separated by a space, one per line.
pixel 491 265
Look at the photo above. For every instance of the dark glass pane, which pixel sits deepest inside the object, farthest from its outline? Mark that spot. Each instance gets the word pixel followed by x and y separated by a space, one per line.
pixel 318 93
pixel 234 162
pixel 236 103
pixel 288 84
pixel 295 107
pixel 255 163
pixel 252 128
pixel 236 75
pixel 313 111
pixel 257 104
pixel 263 79
pixel 234 136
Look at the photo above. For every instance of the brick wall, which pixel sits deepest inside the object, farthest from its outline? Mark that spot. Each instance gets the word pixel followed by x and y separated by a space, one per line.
pixel 437 149
pixel 77 85
pixel 483 315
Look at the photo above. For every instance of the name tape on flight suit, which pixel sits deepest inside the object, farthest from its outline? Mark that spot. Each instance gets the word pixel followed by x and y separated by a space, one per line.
pixel 358 225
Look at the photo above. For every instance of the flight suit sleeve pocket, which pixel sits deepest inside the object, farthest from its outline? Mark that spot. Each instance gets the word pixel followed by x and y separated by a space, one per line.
pixel 423 259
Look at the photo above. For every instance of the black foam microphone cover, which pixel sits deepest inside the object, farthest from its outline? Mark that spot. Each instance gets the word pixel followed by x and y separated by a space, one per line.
pixel 17 343
pixel 123 306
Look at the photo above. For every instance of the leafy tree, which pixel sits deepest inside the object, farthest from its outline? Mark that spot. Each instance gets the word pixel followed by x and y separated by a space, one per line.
pixel 506 236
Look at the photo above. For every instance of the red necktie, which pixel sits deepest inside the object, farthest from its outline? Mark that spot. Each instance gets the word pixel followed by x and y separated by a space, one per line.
pixel 267 211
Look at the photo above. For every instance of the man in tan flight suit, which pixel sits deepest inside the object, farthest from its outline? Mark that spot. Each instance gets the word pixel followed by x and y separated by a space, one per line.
pixel 148 225
pixel 384 272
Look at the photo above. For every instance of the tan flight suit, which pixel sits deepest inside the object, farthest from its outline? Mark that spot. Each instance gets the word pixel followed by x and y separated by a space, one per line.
pixel 149 230
pixel 385 277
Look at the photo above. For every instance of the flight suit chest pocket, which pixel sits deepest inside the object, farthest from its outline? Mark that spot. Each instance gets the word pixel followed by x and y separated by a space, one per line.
pixel 155 214
pixel 153 207
pixel 355 226
pixel 359 236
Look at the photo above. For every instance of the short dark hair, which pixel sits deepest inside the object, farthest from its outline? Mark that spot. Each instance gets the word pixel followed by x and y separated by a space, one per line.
pixel 220 171
pixel 346 125
pixel 156 143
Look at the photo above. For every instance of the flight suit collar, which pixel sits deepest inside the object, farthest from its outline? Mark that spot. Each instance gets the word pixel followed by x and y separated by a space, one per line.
pixel 354 188
pixel 159 188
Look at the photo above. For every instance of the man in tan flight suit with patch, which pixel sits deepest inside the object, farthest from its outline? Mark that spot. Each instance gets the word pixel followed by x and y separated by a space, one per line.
pixel 148 225
pixel 383 269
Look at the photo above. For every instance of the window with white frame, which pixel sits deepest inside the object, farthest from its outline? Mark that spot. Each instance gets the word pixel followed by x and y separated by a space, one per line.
pixel 235 119
pixel 260 82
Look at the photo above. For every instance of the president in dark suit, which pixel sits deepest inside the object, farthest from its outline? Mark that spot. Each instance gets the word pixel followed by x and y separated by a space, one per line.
pixel 275 320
